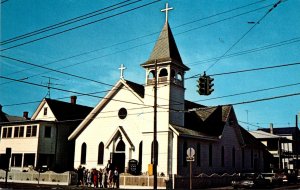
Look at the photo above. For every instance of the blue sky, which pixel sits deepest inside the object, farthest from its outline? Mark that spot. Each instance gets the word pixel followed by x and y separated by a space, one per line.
pixel 127 37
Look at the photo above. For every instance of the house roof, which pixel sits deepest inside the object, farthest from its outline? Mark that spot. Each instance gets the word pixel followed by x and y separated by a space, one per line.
pixel 259 134
pixel 281 130
pixel 165 49
pixel 67 111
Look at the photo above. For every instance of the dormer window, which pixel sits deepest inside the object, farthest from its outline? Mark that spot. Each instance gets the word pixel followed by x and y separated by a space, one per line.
pixel 45 111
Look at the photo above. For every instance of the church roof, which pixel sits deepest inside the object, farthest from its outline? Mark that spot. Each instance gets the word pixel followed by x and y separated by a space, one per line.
pixel 165 49
pixel 137 88
pixel 67 111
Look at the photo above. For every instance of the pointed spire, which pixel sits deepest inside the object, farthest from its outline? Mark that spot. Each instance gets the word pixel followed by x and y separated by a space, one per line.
pixel 165 49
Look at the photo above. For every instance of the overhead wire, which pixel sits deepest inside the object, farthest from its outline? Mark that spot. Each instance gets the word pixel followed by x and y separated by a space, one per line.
pixel 66 22
pixel 249 92
pixel 80 26
pixel 245 34
pixel 63 59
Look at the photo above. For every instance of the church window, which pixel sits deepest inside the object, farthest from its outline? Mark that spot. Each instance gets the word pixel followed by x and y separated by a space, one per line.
pixel 184 149
pixel 198 154
pixel 151 74
pixel 152 152
pixel 179 76
pixel 122 113
pixel 222 157
pixel 233 157
pixel 210 155
pixel 173 73
pixel 100 153
pixel 83 154
pixel 120 146
pixel 163 73
pixel 140 155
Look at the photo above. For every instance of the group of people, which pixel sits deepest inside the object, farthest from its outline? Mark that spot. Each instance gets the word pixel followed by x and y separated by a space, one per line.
pixel 103 178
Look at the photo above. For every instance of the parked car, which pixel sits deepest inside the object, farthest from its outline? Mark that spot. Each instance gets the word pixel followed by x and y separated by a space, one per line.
pixel 250 180
pixel 274 178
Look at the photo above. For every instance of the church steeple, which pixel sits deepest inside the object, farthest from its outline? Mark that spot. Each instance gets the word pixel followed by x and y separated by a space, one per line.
pixel 165 49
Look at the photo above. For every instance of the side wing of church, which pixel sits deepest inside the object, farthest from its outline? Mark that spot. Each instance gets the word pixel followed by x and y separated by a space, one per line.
pixel 120 127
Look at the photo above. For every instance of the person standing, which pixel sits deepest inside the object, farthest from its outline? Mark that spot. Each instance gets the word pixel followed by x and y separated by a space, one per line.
pixel 80 175
pixel 116 178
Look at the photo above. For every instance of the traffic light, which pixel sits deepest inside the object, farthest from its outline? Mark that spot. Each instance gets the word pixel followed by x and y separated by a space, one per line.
pixel 209 85
pixel 202 85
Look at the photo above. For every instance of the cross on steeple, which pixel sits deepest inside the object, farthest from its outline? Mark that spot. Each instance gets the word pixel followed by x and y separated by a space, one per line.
pixel 122 68
pixel 167 9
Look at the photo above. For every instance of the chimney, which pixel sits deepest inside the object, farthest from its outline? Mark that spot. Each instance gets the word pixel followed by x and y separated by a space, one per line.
pixel 73 99
pixel 271 128
pixel 25 114
pixel 0 108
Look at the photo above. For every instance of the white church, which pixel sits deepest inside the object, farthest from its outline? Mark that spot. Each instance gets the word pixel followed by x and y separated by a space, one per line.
pixel 120 128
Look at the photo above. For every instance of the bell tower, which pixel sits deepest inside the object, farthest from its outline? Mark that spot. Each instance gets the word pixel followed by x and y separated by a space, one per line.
pixel 170 79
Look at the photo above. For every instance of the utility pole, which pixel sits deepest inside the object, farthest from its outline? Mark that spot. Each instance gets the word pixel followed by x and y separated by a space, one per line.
pixel 297 146
pixel 155 131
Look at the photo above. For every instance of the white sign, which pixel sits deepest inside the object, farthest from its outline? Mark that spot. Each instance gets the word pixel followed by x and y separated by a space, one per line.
pixel 190 159
pixel 190 152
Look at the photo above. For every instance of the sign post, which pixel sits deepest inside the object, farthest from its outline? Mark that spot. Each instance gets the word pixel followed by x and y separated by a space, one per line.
pixel 190 158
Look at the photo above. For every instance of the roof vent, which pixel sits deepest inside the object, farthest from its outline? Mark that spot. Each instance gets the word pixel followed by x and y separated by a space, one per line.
pixel 73 99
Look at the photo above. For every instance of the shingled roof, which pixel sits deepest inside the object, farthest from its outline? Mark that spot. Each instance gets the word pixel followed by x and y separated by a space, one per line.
pixel 67 111
pixel 207 120
pixel 137 88
pixel 165 49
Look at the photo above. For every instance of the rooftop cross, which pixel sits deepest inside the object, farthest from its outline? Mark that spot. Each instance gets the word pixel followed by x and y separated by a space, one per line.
pixel 122 68
pixel 167 9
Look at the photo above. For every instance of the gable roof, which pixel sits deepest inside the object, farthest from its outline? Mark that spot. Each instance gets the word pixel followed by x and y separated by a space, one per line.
pixel 136 89
pixel 207 120
pixel 67 111
pixel 165 49
pixel 64 111
pixel 120 132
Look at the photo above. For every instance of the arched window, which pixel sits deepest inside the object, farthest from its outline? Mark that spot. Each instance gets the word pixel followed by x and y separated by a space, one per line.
pixel 100 153
pixel 163 73
pixel 210 155
pixel 184 149
pixel 173 75
pixel 151 74
pixel 83 153
pixel 152 152
pixel 120 146
pixel 140 155
pixel 222 157
pixel 233 157
pixel 179 76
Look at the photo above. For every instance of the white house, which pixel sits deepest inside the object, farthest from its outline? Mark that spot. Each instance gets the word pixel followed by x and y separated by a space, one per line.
pixel 43 139
pixel 120 128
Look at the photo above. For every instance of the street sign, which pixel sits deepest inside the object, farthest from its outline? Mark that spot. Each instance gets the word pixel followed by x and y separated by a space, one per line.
pixel 190 159
pixel 190 152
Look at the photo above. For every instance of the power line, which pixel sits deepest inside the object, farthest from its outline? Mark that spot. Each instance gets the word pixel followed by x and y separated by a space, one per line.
pixel 3 1
pixel 64 90
pixel 84 53
pixel 243 36
pixel 278 44
pixel 248 70
pixel 66 22
pixel 53 70
pixel 80 26
pixel 248 92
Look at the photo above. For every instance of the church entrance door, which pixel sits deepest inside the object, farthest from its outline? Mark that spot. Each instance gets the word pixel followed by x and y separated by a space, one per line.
pixel 118 157
pixel 118 160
